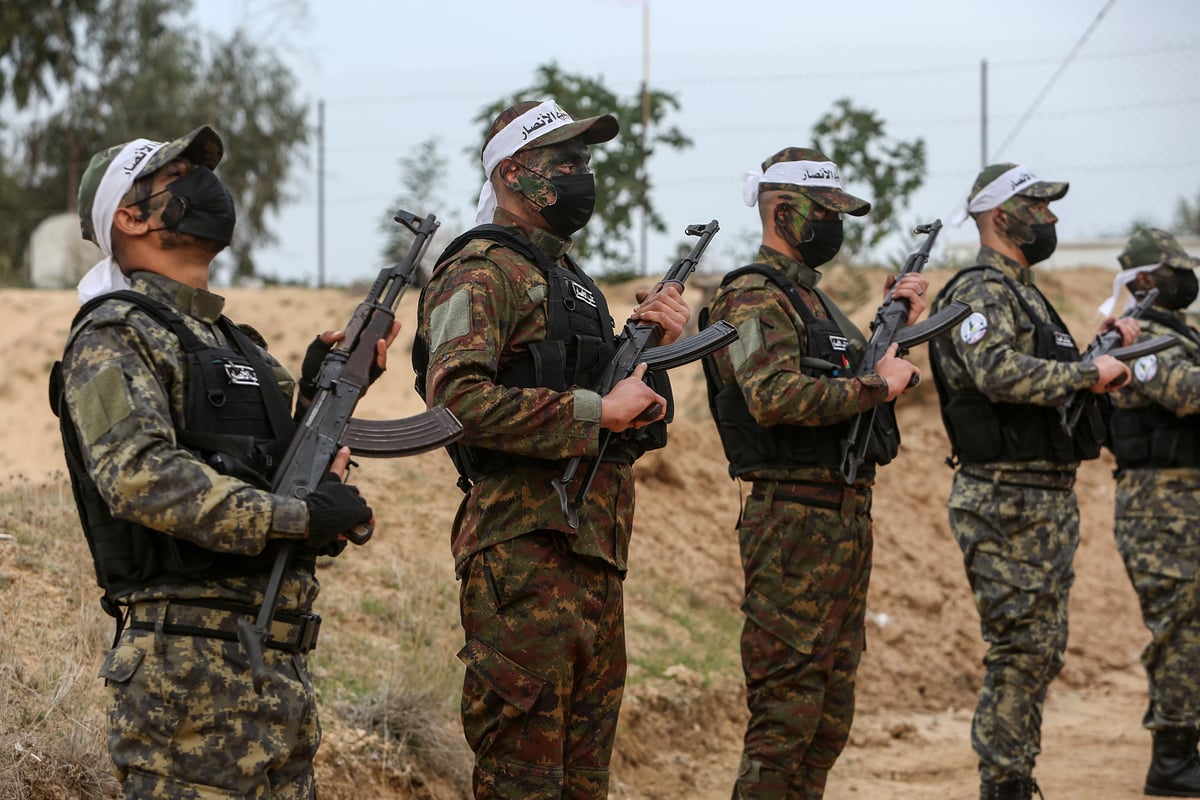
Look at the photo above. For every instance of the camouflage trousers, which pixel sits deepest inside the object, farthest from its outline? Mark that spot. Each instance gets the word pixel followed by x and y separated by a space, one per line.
pixel 1161 549
pixel 545 657
pixel 806 568
pixel 184 721
pixel 1018 544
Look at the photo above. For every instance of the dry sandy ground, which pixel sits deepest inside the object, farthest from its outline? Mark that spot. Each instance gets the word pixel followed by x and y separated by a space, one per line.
pixel 680 737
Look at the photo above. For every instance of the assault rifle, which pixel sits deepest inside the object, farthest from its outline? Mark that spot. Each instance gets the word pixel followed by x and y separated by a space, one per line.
pixel 888 327
pixel 344 375
pixel 637 344
pixel 1106 343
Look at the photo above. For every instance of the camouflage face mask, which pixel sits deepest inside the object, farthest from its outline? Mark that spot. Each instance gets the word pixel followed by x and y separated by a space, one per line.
pixel 816 241
pixel 567 201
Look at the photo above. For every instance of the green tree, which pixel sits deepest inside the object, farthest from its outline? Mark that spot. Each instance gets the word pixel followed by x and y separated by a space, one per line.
pixel 1187 217
pixel 856 140
pixel 422 175
pixel 623 183
pixel 38 43
pixel 139 68
pixel 252 99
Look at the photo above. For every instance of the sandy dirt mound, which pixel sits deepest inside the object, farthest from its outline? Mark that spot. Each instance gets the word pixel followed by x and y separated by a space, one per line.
pixel 681 725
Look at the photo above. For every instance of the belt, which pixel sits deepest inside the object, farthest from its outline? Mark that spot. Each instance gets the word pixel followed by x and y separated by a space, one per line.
pixel 822 495
pixel 1061 480
pixel 213 619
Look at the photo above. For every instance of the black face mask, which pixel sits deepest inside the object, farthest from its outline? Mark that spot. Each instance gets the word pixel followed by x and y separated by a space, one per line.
pixel 822 243
pixel 1045 240
pixel 200 205
pixel 575 200
pixel 1177 288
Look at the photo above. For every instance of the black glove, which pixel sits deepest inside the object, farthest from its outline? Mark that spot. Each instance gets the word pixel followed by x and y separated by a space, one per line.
pixel 333 508
pixel 311 366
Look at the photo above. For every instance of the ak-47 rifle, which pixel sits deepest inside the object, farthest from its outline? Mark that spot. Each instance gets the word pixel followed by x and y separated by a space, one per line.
pixel 637 344
pixel 887 328
pixel 344 375
pixel 1106 343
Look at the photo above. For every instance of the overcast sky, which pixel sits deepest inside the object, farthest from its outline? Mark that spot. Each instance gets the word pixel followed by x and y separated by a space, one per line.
pixel 1119 120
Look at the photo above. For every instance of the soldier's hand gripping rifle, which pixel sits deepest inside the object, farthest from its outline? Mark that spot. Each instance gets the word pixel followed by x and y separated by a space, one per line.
pixel 888 327
pixel 344 375
pixel 637 344
pixel 1106 343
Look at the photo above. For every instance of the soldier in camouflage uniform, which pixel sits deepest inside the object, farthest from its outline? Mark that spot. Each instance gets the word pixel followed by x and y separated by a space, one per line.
pixel 783 396
pixel 511 330
pixel 1154 433
pixel 159 395
pixel 1012 506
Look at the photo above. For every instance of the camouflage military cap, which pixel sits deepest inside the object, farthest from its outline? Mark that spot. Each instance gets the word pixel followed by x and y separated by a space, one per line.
pixel 202 146
pixel 1155 246
pixel 592 130
pixel 828 192
pixel 1042 190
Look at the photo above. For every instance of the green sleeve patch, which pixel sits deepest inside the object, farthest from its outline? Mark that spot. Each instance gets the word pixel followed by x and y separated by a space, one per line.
pixel 748 342
pixel 450 320
pixel 537 293
pixel 587 405
pixel 103 402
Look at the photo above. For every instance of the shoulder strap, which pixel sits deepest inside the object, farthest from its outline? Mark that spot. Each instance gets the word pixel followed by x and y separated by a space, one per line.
pixel 789 288
pixel 1170 321
pixel 500 234
pixel 154 308
pixel 780 281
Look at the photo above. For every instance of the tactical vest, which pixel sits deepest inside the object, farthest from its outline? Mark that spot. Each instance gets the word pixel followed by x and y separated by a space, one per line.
pixel 1153 436
pixel 751 448
pixel 578 346
pixel 982 431
pixel 235 419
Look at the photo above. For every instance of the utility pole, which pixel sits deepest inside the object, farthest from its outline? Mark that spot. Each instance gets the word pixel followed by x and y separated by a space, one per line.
pixel 321 194
pixel 645 123
pixel 983 118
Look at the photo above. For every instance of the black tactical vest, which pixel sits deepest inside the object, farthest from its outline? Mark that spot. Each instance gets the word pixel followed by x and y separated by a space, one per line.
pixel 236 420
pixel 578 346
pixel 1153 436
pixel 983 432
pixel 751 448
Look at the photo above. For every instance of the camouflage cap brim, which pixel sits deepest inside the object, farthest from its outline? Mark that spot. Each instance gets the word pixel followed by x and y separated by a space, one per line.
pixel 1149 246
pixel 839 200
pixel 592 130
pixel 1046 190
pixel 202 147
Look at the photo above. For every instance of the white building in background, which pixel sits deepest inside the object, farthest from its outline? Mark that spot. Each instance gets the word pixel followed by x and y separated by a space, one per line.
pixel 1085 253
pixel 58 254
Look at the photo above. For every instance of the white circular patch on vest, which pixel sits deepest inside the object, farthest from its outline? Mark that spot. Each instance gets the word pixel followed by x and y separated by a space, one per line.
pixel 1145 368
pixel 973 328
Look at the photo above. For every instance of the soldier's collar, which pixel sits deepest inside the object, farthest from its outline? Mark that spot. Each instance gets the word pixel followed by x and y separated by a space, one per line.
pixel 997 260
pixel 203 305
pixel 554 247
pixel 798 271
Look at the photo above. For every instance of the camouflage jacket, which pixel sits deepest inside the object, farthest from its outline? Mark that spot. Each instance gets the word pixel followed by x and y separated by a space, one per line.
pixel 482 309
pixel 123 377
pixel 765 360
pixel 993 349
pixel 1170 379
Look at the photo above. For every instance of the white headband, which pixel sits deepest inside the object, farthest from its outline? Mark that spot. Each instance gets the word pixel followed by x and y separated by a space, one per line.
pixel 796 173
pixel 995 193
pixel 533 124
pixel 106 275
pixel 1123 278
